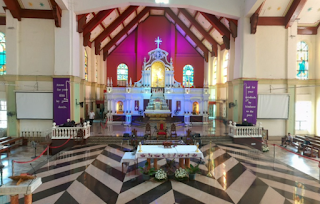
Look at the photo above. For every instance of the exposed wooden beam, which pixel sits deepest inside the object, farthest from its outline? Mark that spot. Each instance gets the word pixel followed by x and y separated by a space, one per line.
pixel 14 7
pixel 220 27
pixel 294 11
pixel 2 20
pixel 81 22
pixel 57 13
pixel 86 40
pixel 188 32
pixel 95 21
pixel 307 30
pixel 255 18
pixel 115 24
pixel 124 32
pixel 203 32
pixel 34 13
pixel 233 28
pixel 271 21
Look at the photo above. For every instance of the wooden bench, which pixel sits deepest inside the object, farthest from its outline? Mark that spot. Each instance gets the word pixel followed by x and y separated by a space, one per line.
pixel 11 143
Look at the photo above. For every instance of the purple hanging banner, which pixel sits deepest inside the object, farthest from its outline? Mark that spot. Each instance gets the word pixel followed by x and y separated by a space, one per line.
pixel 250 101
pixel 61 100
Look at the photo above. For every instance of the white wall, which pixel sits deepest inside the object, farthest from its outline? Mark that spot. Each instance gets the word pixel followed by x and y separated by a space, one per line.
pixel 271 52
pixel 36 47
pixel 35 125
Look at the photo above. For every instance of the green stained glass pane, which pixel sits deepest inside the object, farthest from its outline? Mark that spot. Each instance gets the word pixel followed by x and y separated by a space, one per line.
pixel 122 72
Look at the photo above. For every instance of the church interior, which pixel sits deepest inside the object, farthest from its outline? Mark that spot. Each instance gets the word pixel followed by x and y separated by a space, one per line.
pixel 159 101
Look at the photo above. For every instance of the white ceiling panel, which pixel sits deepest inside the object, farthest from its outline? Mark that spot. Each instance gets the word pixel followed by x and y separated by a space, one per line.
pixel 184 20
pixel 89 17
pixel 191 41
pixel 192 12
pixel 140 8
pixel 96 31
pixel 155 12
pixel 116 31
pixel 169 18
pixel 203 22
pixel 122 9
pixel 144 17
pixel 196 32
pixel 129 19
pixel 110 18
pixel 207 44
pixel 175 10
pixel 180 30
pixel 310 14
pixel 35 4
pixel 225 22
pixel 121 39
pixel 104 42
pixel 275 8
pixel 132 29
pixel 217 36
pixel 200 51
pixel 111 49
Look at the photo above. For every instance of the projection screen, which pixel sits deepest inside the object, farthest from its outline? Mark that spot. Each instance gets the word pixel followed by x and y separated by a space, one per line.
pixel 34 105
pixel 273 106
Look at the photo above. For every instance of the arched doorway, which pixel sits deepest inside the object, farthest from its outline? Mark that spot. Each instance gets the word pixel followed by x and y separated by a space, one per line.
pixel 158 74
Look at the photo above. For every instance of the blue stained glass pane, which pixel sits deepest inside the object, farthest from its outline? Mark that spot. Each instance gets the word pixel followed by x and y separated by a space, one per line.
pixel 302 60
pixel 122 72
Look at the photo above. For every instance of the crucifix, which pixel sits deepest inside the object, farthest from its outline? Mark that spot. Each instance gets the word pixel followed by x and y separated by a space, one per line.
pixel 158 41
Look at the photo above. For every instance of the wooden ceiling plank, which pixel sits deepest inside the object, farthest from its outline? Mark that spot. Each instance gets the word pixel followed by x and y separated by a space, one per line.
pixel 188 32
pixel 2 20
pixel 220 27
pixel 35 13
pixel 95 21
pixel 203 32
pixel 307 30
pixel 115 24
pixel 294 11
pixel 14 7
pixel 124 32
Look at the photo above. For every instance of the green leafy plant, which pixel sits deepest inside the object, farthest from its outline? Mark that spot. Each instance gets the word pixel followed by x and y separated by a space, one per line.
pixel 193 169
pixel 145 170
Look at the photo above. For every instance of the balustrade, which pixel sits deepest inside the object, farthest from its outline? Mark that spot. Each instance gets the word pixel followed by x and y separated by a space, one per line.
pixel 70 132
pixel 244 131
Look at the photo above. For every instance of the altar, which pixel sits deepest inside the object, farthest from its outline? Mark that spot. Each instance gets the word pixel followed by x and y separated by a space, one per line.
pixel 182 152
pixel 157 95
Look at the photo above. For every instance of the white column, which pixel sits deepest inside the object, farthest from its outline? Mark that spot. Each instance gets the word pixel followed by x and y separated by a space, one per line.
pixel 12 44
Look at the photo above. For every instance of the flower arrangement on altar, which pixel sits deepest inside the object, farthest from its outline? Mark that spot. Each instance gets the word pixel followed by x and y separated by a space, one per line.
pixel 160 175
pixel 265 147
pixel 181 174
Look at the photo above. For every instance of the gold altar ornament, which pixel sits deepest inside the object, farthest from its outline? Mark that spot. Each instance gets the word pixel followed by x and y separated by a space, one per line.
pixel 140 147
pixel 197 147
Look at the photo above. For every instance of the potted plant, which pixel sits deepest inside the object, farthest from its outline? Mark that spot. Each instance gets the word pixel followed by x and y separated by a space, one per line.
pixel 192 170
pixel 171 167
pixel 181 174
pixel 145 172
pixel 160 175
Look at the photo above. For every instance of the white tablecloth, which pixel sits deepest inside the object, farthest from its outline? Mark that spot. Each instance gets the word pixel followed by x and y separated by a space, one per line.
pixel 179 151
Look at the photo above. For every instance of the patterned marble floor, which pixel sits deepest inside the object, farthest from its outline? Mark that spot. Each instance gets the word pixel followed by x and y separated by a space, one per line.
pixel 92 174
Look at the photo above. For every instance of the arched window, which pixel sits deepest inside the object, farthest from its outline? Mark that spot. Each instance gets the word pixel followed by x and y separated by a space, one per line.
pixel 122 74
pixel 225 67
pixel 302 60
pixel 188 75
pixel 3 69
pixel 215 72
pixel 85 65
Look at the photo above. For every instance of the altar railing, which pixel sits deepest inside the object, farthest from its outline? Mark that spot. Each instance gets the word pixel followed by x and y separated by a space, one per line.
pixel 244 131
pixel 70 132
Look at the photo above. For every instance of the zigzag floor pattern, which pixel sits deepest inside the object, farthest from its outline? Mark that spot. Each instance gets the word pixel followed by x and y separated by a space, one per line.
pixel 93 174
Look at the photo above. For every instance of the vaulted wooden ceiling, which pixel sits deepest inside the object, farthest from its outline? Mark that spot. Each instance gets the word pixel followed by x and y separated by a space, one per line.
pixel 108 28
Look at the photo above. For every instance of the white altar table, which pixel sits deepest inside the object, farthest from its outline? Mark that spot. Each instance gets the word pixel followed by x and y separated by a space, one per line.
pixel 183 152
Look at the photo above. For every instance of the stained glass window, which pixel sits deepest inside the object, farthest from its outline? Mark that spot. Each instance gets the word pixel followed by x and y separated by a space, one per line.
pixel 215 72
pixel 225 67
pixel 122 74
pixel 3 61
pixel 86 65
pixel 188 75
pixel 302 60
